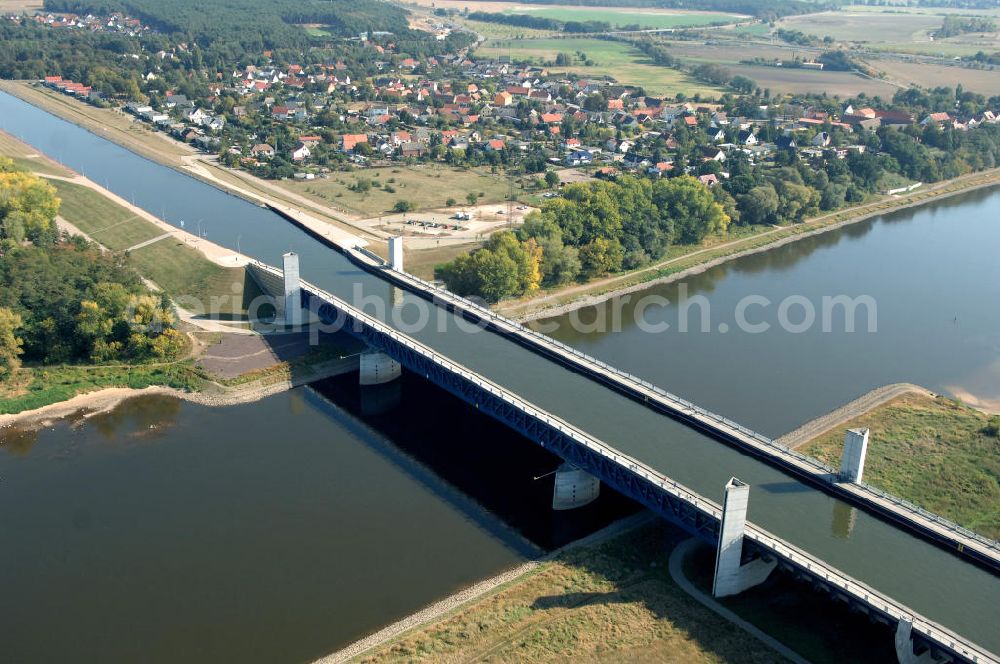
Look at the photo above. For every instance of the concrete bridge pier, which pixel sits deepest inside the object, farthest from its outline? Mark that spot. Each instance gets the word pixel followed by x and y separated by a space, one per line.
pixel 732 577
pixel 292 289
pixel 852 463
pixel 396 253
pixel 904 645
pixel 574 488
pixel 378 368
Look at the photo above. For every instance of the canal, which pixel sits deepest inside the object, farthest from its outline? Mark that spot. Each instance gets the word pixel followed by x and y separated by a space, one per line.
pixel 690 364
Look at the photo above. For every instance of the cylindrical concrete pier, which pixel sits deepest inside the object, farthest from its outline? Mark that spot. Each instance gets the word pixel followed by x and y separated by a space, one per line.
pixel 574 488
pixel 378 368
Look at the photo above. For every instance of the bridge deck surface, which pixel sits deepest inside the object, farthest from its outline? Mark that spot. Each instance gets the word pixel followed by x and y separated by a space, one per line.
pixel 924 577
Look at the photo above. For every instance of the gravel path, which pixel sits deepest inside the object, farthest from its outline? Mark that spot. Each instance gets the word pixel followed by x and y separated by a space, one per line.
pixel 849 411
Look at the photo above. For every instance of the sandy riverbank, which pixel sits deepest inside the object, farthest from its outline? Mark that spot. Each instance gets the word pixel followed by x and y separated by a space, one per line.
pixel 215 395
pixel 537 308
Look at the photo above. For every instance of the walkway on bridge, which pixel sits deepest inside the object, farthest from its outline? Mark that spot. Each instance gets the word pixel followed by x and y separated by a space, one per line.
pixel 915 572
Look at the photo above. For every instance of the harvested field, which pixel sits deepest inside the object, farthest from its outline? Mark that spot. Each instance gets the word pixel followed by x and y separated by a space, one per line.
pixel 865 26
pixel 19 6
pixel 986 82
pixel 834 83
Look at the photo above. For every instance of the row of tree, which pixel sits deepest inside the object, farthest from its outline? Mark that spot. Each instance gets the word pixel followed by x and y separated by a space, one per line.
pixel 595 228
pixel 64 300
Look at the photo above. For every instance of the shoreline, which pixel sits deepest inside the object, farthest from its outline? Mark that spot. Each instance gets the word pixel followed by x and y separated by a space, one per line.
pixel 461 599
pixel 584 301
pixel 937 191
pixel 863 405
pixel 215 395
pixel 192 163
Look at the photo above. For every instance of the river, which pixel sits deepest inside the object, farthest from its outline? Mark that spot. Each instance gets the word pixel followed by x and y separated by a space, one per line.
pixel 769 381
pixel 932 272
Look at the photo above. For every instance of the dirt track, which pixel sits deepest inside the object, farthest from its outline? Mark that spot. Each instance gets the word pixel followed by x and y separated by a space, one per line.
pixel 849 411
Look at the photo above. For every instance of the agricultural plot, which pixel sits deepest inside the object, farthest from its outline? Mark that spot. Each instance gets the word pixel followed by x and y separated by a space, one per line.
pixel 834 83
pixel 866 26
pixel 19 6
pixel 612 59
pixel 651 19
pixel 983 81
pixel 729 54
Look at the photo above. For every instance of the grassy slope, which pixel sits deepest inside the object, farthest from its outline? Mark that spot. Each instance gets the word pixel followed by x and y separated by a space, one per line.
pixel 178 269
pixel 931 452
pixel 27 157
pixel 610 602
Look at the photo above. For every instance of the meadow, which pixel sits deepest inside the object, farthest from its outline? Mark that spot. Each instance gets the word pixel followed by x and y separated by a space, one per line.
pixel 612 59
pixel 425 187
pixel 921 449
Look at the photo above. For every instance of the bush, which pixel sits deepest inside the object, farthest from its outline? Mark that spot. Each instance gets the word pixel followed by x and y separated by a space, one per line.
pixel 992 428
pixel 402 206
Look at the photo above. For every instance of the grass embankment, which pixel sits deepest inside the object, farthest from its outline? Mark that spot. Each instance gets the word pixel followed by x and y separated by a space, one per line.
pixel 183 272
pixel 739 240
pixel 614 601
pixel 27 158
pixel 114 125
pixel 933 452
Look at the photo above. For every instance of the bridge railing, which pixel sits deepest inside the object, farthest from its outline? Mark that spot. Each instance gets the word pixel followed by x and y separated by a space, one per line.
pixel 761 537
pixel 820 469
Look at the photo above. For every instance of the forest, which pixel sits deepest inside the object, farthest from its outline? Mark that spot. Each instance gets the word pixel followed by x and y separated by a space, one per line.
pixel 251 25
pixel 62 299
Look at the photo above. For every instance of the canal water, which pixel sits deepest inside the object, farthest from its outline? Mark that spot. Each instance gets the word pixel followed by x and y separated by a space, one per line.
pixel 932 275
pixel 711 368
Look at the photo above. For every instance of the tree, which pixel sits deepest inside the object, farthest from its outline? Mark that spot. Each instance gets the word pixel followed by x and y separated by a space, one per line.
pixel 691 207
pixel 402 206
pixel 759 205
pixel 551 178
pixel 601 256
pixel 450 202
pixel 471 198
pixel 11 346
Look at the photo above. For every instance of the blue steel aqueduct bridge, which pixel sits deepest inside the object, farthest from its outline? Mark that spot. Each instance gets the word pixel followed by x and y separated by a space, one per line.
pixel 936 584
pixel 932 581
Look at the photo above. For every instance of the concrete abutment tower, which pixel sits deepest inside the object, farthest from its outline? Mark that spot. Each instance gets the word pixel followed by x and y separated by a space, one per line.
pixel 731 576
pixel 292 289
pixel 852 463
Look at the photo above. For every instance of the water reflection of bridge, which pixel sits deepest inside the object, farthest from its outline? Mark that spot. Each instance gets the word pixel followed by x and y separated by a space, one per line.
pixel 748 552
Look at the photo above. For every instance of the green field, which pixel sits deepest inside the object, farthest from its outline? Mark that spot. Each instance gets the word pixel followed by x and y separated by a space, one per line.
pixel 425 186
pixel 621 17
pixel 932 452
pixel 613 59
pixel 178 269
